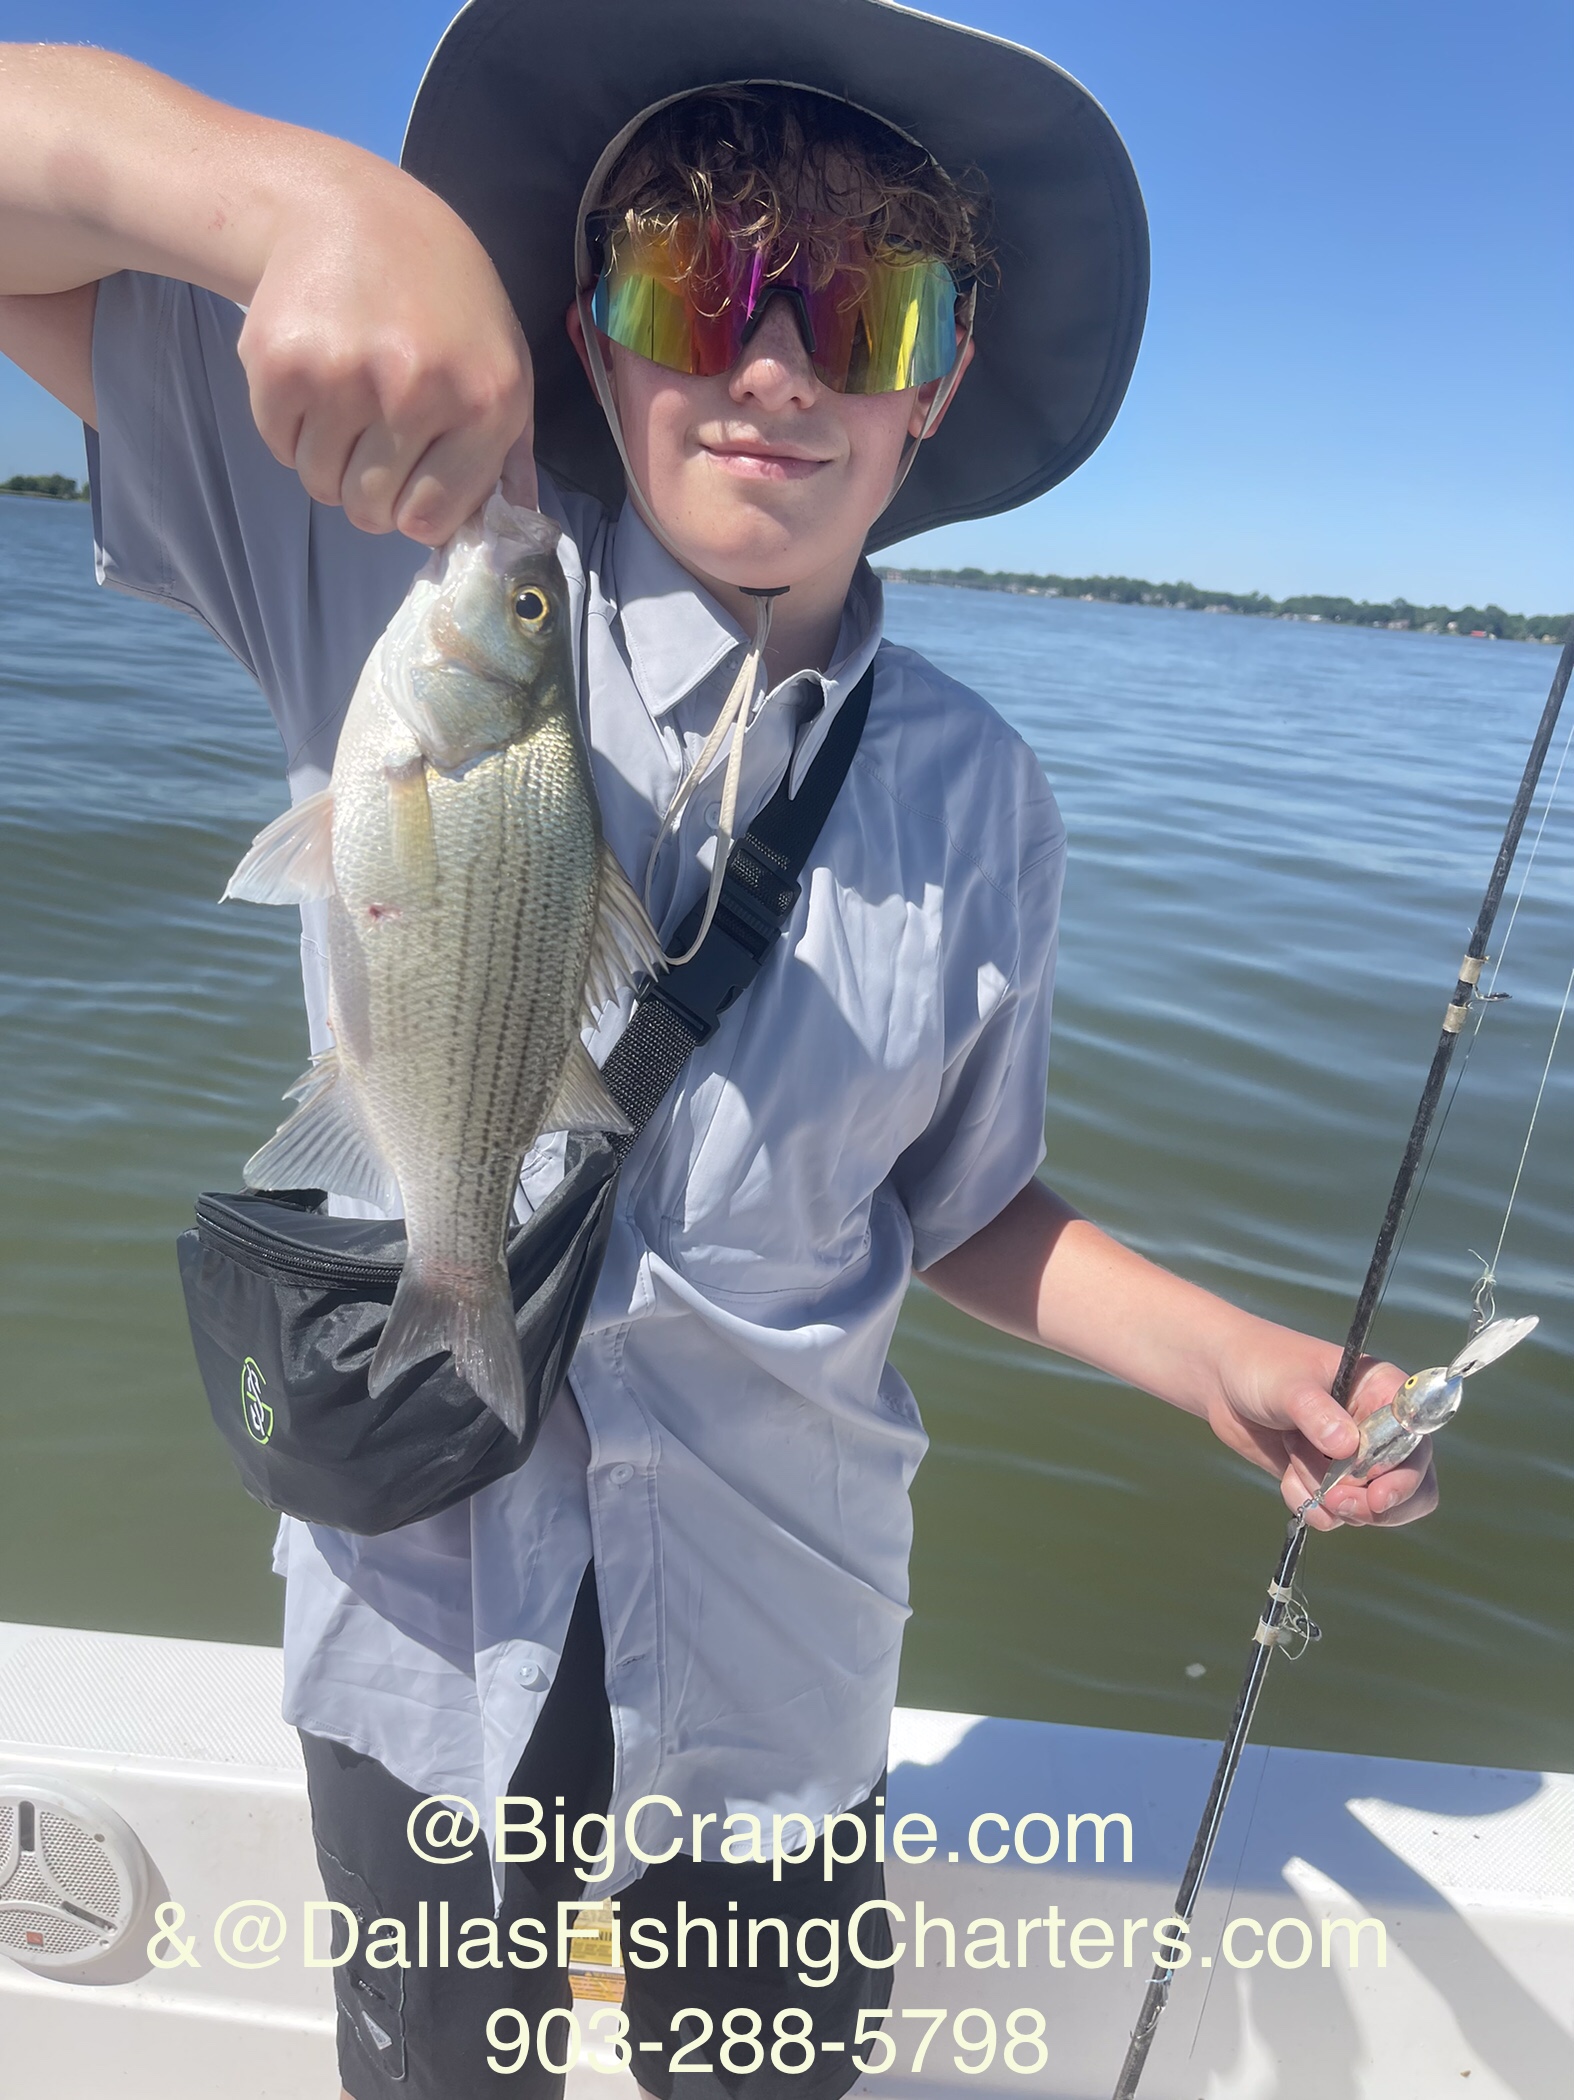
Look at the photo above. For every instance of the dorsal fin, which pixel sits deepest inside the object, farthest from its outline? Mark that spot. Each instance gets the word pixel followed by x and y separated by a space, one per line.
pixel 624 942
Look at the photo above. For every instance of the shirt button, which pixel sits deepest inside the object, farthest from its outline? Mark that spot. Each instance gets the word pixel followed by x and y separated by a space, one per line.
pixel 530 1674
pixel 713 814
pixel 620 1476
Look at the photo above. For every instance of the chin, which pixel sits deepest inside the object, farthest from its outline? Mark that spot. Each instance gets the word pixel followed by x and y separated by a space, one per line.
pixel 755 550
pixel 753 569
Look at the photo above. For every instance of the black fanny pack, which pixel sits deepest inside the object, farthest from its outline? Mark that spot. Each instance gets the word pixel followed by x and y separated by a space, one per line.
pixel 287 1304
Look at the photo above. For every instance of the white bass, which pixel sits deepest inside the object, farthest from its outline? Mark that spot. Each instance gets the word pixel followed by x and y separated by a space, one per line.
pixel 476 918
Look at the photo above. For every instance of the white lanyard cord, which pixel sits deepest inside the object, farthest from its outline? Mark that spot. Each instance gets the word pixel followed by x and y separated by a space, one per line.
pixel 734 716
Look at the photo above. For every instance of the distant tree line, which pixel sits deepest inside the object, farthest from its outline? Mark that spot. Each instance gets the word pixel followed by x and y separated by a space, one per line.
pixel 60 485
pixel 1400 615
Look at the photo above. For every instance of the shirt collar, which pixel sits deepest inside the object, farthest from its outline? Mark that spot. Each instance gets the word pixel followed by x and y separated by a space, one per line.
pixel 863 620
pixel 676 633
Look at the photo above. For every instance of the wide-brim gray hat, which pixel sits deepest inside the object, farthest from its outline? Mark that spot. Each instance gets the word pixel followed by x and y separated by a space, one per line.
pixel 522 96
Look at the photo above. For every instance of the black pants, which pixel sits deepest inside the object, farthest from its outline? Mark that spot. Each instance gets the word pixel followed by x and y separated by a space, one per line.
pixel 420 2032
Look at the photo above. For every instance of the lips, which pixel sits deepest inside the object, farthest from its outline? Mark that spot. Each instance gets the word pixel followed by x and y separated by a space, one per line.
pixel 753 459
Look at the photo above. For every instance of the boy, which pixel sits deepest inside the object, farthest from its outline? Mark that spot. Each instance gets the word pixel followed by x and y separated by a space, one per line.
pixel 692 1595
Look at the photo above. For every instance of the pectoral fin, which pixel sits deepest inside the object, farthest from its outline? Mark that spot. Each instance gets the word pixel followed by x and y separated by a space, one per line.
pixel 410 822
pixel 325 1144
pixel 291 862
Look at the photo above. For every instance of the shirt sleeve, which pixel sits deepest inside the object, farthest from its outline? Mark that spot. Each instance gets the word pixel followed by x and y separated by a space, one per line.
pixel 191 508
pixel 985 1139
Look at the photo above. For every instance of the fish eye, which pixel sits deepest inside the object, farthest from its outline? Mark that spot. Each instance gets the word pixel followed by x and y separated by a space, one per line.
pixel 531 608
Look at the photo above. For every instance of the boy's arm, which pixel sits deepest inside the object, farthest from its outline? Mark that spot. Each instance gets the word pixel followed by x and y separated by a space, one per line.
pixel 384 360
pixel 1042 1272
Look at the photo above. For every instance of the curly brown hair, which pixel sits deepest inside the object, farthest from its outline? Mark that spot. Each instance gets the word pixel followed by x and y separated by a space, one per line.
pixel 762 160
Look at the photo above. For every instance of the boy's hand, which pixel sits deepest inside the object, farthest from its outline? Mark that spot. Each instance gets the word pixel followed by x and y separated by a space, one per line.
pixel 385 361
pixel 1040 1271
pixel 1274 1407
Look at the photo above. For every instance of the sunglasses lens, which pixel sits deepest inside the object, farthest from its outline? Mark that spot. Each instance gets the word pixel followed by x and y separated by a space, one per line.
pixel 690 299
pixel 885 327
pixel 661 300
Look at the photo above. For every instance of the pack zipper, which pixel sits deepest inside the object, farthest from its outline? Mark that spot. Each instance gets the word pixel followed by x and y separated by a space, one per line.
pixel 286 1257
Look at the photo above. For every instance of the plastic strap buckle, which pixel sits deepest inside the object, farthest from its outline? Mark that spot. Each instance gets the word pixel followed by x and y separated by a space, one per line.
pixel 750 913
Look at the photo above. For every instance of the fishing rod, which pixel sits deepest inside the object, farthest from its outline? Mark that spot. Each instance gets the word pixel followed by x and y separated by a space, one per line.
pixel 1284 1618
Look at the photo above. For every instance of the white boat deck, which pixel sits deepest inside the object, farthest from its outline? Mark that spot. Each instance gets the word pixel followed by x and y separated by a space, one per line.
pixel 1468 1872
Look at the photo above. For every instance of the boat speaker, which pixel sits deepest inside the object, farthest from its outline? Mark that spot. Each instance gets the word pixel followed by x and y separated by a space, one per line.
pixel 73 1877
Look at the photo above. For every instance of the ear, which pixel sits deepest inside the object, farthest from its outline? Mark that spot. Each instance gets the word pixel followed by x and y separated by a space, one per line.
pixel 574 324
pixel 926 394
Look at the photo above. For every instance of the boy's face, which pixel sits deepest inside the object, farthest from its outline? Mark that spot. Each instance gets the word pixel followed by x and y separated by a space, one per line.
pixel 763 476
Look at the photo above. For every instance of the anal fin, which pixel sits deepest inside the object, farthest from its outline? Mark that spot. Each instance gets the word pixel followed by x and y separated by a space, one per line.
pixel 325 1144
pixel 291 862
pixel 581 1101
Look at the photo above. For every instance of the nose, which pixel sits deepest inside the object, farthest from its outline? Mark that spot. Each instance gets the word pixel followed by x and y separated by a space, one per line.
pixel 773 366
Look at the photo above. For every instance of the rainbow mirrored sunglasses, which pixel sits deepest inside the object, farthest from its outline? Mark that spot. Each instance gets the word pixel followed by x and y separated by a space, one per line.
pixel 690 297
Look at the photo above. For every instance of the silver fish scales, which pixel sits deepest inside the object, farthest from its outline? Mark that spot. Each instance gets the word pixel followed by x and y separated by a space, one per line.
pixel 476 917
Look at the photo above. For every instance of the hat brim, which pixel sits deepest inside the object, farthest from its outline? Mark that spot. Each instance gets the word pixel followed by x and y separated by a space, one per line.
pixel 520 99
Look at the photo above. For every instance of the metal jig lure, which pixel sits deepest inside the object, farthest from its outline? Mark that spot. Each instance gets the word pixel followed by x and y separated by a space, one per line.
pixel 1422 1405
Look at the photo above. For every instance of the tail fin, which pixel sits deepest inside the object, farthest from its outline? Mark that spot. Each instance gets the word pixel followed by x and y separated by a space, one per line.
pixel 472 1316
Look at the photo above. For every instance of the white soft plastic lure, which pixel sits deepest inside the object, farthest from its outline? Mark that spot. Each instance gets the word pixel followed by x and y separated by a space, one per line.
pixel 1421 1406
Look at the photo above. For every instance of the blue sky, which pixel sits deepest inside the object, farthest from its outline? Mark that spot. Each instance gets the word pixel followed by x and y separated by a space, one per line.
pixel 1356 372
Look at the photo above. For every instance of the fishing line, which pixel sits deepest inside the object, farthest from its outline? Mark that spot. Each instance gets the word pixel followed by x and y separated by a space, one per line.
pixel 1483 1304
pixel 1519 897
pixel 1229 1908
pixel 1483 1001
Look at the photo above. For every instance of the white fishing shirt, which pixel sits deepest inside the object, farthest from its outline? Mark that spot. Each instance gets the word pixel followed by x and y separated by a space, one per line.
pixel 737 1451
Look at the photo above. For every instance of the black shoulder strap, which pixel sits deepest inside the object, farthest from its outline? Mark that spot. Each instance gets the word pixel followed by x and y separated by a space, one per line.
pixel 681 1009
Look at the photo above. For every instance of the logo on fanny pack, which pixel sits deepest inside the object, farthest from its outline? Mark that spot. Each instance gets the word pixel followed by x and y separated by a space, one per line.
pixel 255 1411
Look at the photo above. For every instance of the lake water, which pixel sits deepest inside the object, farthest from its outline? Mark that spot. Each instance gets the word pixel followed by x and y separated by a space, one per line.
pixel 1279 835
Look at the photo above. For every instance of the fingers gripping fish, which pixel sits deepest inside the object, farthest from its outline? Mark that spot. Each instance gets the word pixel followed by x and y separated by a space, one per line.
pixel 476 918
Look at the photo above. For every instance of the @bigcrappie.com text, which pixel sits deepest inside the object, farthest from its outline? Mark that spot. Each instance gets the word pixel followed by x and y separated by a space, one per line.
pixel 446 1828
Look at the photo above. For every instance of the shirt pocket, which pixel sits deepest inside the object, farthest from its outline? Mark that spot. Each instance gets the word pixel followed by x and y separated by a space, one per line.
pixel 823 1074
